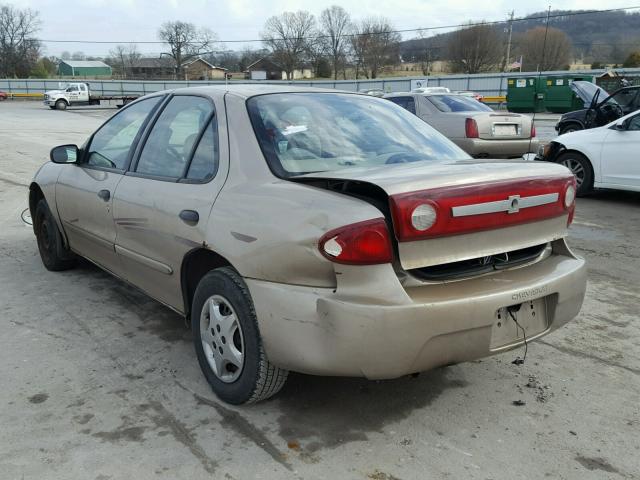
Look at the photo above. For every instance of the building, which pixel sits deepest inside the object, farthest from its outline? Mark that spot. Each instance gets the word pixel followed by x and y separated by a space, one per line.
pixel 267 69
pixel 200 69
pixel 264 69
pixel 83 68
pixel 161 68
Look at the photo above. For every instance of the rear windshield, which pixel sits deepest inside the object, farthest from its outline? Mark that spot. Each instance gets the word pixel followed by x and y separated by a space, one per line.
pixel 457 103
pixel 315 132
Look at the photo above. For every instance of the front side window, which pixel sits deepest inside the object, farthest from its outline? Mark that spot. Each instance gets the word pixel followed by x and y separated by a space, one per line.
pixel 634 124
pixel 312 132
pixel 170 143
pixel 111 144
pixel 457 103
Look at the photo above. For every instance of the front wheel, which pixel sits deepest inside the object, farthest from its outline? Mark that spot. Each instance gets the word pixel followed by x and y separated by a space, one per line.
pixel 53 253
pixel 570 127
pixel 581 169
pixel 61 105
pixel 228 343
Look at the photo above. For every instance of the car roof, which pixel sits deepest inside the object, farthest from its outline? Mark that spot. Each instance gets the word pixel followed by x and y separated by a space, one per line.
pixel 247 90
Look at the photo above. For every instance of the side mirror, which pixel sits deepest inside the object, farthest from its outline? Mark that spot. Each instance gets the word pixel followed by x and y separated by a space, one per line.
pixel 64 154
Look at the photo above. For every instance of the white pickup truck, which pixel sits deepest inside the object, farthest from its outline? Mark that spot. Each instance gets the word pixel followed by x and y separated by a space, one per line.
pixel 79 94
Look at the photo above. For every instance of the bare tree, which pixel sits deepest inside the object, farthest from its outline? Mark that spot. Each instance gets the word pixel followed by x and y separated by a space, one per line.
pixel 124 58
pixel 540 55
pixel 185 42
pixel 475 49
pixel 19 51
pixel 287 36
pixel 374 45
pixel 65 55
pixel 335 22
pixel 78 56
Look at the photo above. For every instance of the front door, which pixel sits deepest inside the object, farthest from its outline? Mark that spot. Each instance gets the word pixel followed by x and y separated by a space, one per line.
pixel 84 192
pixel 620 161
pixel 162 206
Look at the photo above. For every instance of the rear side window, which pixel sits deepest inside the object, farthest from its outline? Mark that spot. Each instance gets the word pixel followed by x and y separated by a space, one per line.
pixel 168 148
pixel 111 144
pixel 204 164
pixel 408 103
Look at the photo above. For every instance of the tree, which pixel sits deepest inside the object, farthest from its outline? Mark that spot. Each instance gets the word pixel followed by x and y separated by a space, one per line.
pixel 124 58
pixel 374 46
pixel 78 56
pixel 287 36
pixel 185 42
pixel 632 61
pixel 65 55
pixel 335 23
pixel 249 56
pixel 475 49
pixel 19 51
pixel 540 55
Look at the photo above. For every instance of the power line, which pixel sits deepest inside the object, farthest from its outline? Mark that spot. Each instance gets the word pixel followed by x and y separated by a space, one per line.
pixel 406 30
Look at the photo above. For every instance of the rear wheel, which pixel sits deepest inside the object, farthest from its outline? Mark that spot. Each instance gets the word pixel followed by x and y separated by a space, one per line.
pixel 227 340
pixel 53 253
pixel 61 105
pixel 570 127
pixel 581 168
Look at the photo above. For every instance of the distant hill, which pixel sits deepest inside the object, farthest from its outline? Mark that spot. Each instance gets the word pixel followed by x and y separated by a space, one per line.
pixel 606 37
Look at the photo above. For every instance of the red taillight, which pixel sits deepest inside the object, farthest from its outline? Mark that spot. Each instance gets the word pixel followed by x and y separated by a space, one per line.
pixel 363 243
pixel 471 128
pixel 533 131
pixel 463 209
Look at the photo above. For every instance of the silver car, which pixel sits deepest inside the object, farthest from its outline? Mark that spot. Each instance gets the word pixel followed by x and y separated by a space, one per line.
pixel 473 126
pixel 316 231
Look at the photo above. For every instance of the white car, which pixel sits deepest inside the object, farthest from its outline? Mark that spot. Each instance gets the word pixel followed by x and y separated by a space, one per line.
pixel 430 90
pixel 603 157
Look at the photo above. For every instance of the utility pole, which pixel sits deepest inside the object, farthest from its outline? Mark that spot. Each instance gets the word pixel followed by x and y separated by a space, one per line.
pixel 507 62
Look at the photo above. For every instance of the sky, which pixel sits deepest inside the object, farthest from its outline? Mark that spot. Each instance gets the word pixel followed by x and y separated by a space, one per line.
pixel 124 21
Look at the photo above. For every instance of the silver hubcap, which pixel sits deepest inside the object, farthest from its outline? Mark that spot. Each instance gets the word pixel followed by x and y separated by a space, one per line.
pixel 222 338
pixel 576 167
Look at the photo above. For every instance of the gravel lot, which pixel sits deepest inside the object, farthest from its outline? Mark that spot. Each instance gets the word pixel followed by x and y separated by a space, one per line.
pixel 101 382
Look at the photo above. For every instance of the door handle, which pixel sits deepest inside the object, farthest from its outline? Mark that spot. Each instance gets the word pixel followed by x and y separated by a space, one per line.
pixel 190 217
pixel 104 195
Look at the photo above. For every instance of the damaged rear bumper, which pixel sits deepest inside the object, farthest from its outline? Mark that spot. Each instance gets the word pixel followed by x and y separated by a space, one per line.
pixel 339 332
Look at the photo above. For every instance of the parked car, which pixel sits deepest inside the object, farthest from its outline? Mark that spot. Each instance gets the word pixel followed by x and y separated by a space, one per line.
pixel 473 126
pixel 600 107
pixel 603 157
pixel 479 97
pixel 3 96
pixel 431 90
pixel 311 230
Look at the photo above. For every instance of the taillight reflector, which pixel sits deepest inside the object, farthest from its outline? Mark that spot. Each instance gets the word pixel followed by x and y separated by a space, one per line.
pixel 363 243
pixel 471 128
pixel 533 131
pixel 489 199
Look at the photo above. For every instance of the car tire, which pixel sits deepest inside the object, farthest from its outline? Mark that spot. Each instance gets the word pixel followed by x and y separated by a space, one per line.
pixel 570 127
pixel 55 256
pixel 581 167
pixel 61 105
pixel 228 343
pixel 52 107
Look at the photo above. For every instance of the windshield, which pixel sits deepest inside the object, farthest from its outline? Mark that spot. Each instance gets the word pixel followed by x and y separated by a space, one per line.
pixel 457 103
pixel 312 132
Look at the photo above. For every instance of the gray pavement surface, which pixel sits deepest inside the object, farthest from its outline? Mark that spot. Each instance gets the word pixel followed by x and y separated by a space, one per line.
pixel 101 382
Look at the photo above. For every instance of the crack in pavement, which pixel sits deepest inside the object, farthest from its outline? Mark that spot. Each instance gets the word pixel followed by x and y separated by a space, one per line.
pixel 242 426
pixel 578 353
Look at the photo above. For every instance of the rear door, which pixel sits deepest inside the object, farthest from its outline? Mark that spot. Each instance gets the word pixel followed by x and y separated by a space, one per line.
pixel 620 161
pixel 162 204
pixel 84 192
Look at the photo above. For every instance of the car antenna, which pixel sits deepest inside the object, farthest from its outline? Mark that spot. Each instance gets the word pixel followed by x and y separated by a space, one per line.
pixel 544 50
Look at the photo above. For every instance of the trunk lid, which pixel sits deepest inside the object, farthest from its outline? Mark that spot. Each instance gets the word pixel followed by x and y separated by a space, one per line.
pixel 470 192
pixel 503 126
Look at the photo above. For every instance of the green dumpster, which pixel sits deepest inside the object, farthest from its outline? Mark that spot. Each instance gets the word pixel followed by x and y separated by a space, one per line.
pixel 526 94
pixel 559 97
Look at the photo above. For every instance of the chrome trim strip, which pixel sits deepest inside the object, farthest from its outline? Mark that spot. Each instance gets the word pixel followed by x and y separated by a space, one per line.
pixel 149 262
pixel 511 205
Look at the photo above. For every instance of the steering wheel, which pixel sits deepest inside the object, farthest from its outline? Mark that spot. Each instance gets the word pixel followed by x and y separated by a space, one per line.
pixel 405 157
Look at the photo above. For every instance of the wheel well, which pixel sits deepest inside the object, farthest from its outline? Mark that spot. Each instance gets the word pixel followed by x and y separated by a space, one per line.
pixel 569 122
pixel 35 194
pixel 195 265
pixel 570 150
pixel 64 100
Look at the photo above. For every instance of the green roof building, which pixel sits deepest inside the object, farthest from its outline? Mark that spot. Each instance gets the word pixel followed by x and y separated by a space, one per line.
pixel 83 68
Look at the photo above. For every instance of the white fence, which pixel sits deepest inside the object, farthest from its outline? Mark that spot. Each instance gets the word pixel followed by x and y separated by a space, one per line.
pixel 487 84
